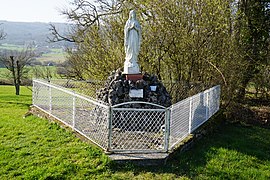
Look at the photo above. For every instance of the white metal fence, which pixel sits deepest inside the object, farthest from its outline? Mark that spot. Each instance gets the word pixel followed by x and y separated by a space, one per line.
pixel 118 129
pixel 188 114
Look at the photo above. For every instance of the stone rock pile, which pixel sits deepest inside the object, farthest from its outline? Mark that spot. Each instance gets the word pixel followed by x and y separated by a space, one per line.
pixel 117 90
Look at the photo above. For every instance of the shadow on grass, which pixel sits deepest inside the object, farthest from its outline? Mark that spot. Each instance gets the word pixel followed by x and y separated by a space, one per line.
pixel 21 100
pixel 245 141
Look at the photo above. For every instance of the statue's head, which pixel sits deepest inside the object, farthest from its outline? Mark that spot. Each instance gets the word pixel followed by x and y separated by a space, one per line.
pixel 132 14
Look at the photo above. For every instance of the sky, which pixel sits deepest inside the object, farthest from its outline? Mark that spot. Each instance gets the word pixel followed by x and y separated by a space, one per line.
pixel 33 10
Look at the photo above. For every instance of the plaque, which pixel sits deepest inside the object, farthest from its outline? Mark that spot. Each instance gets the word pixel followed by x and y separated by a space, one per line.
pixel 153 88
pixel 136 93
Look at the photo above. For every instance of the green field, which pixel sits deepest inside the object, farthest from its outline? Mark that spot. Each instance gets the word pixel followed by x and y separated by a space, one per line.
pixel 55 56
pixel 32 72
pixel 34 148
pixel 12 47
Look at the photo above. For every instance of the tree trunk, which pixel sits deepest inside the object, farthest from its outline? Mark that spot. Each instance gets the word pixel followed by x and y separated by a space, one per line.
pixel 17 87
pixel 242 92
pixel 248 75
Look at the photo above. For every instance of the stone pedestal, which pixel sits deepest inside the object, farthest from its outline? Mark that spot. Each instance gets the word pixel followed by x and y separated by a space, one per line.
pixel 138 87
pixel 131 68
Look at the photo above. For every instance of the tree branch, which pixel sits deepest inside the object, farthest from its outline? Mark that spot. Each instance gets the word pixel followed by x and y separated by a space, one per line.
pixel 56 36
pixel 84 15
pixel 223 77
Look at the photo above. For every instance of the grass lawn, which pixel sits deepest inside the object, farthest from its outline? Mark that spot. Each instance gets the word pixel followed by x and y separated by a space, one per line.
pixel 33 148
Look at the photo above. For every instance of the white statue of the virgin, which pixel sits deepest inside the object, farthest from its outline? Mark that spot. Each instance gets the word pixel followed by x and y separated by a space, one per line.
pixel 132 44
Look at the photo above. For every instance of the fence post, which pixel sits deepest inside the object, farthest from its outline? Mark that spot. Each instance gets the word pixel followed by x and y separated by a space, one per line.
pixel 73 109
pixel 190 114
pixel 50 98
pixel 167 129
pixel 109 129
pixel 219 92
pixel 33 92
pixel 207 105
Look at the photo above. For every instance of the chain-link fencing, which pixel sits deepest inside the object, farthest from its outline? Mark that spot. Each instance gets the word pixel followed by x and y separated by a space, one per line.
pixel 178 90
pixel 81 113
pixel 120 129
pixel 138 129
pixel 190 113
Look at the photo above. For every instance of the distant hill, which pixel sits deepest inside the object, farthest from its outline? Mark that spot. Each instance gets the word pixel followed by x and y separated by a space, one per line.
pixel 19 33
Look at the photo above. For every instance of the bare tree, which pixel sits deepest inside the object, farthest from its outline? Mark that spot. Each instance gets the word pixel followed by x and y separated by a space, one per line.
pixel 2 34
pixel 15 62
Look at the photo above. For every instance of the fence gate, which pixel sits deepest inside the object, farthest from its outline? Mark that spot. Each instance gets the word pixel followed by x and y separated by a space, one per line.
pixel 138 129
